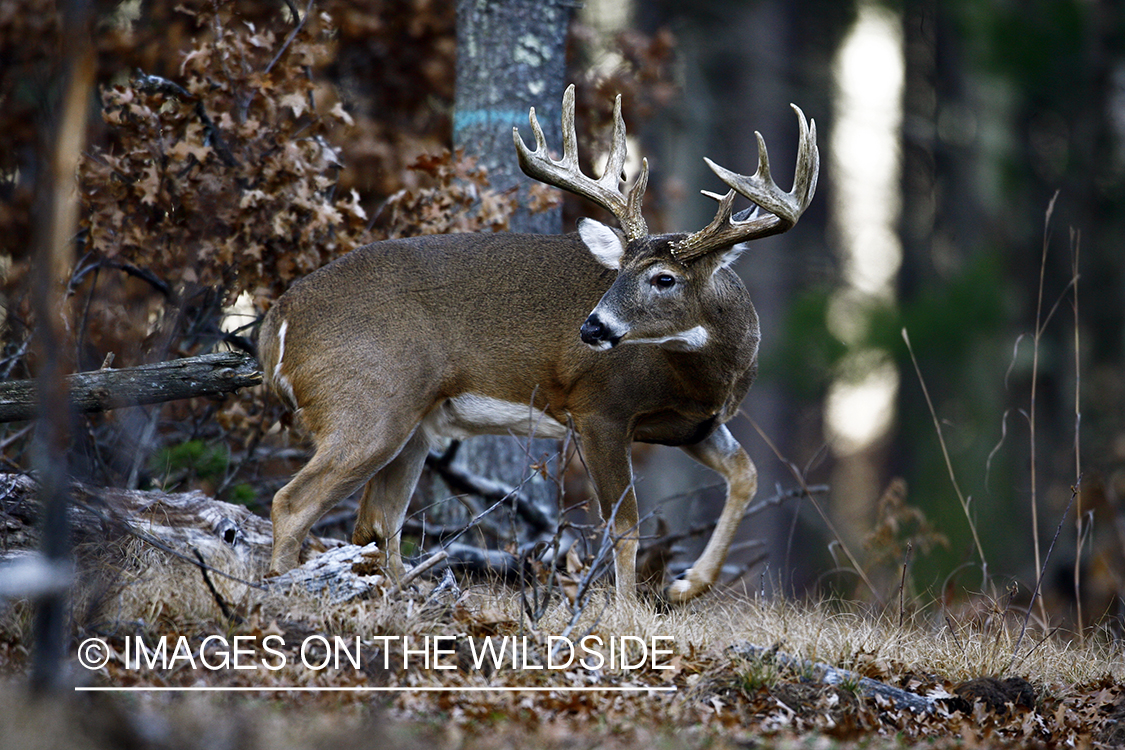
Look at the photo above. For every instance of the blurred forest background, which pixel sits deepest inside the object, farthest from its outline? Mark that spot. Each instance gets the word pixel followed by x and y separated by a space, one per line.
pixel 232 147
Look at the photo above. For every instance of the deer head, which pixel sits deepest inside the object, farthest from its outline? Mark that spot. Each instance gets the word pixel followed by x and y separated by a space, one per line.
pixel 661 292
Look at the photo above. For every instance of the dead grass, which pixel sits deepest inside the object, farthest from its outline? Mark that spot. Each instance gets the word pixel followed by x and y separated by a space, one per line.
pixel 721 700
pixel 149 590
pixel 722 697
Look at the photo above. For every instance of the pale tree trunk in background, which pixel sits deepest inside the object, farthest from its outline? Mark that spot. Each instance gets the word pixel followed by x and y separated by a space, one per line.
pixel 510 57
pixel 741 68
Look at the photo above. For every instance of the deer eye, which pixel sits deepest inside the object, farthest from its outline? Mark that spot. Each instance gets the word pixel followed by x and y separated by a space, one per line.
pixel 663 281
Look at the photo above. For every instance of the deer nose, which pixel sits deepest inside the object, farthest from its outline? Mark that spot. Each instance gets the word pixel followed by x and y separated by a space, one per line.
pixel 597 334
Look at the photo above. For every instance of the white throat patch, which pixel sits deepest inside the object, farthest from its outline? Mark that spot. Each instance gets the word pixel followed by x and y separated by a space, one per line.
pixel 691 340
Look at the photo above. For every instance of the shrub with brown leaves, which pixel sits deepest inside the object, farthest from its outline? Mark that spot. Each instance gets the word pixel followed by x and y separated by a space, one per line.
pixel 227 176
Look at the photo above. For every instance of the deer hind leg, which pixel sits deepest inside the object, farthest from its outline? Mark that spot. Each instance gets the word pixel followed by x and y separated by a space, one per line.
pixel 722 453
pixel 608 457
pixel 386 498
pixel 344 460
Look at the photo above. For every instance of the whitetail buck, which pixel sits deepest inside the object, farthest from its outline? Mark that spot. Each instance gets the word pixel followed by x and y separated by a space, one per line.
pixel 616 334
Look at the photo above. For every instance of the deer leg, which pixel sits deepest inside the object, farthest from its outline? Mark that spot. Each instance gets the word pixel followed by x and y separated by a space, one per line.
pixel 344 460
pixel 608 457
pixel 722 453
pixel 309 495
pixel 386 497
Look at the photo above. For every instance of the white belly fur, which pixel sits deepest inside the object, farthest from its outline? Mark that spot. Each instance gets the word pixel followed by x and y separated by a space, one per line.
pixel 469 414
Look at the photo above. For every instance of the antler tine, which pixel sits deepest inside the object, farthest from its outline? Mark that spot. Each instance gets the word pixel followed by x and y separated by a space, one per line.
pixel 723 214
pixel 570 136
pixel 566 173
pixel 613 175
pixel 808 154
pixel 784 208
pixel 617 151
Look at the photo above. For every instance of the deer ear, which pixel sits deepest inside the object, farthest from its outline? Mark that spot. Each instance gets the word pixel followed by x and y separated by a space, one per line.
pixel 602 242
pixel 726 258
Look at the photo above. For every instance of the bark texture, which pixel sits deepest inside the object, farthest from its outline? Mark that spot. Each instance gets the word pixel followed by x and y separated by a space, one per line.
pixel 101 390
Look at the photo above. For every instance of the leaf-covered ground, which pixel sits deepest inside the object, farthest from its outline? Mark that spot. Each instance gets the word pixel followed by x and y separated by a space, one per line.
pixel 410 688
pixel 448 663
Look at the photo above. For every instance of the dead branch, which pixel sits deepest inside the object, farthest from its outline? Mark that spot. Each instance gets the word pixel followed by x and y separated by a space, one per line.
pixel 669 539
pixel 465 558
pixel 342 574
pixel 101 390
pixel 820 672
pixel 460 480
pixel 422 567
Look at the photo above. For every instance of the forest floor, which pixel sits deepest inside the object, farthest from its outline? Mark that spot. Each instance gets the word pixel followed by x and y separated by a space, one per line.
pixel 292 682
pixel 179 659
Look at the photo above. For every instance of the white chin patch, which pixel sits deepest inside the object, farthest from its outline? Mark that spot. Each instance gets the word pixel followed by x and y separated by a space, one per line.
pixel 691 340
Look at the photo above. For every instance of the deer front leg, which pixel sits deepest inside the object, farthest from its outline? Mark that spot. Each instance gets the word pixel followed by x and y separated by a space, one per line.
pixel 722 453
pixel 608 454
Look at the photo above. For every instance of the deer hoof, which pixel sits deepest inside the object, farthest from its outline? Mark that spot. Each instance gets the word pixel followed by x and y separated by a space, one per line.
pixel 686 588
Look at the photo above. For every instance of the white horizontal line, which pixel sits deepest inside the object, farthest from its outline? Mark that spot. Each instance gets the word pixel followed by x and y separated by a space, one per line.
pixel 368 689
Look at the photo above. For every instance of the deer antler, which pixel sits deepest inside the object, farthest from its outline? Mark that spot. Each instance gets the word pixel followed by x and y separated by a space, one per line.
pixel 784 208
pixel 566 174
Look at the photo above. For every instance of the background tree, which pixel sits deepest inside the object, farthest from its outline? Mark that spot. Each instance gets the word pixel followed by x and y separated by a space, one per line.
pixel 511 57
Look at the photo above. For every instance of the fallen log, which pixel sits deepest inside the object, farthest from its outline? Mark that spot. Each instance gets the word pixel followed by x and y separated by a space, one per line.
pixel 101 390
pixel 205 548
pixel 197 547
pixel 829 675
pixel 177 523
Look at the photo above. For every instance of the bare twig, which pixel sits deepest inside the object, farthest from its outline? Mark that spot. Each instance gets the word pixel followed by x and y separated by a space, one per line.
pixel 799 476
pixel 417 570
pixel 1079 516
pixel 948 461
pixel 602 557
pixel 1074 492
pixel 17 435
pixel 233 617
pixel 15 357
pixel 1039 324
pixel 143 274
pixel 902 586
pixel 757 507
pixel 953 632
pixel 292 35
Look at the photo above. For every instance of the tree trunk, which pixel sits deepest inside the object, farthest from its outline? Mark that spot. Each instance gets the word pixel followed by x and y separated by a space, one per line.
pixel 510 57
pixel 55 219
